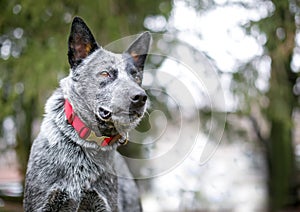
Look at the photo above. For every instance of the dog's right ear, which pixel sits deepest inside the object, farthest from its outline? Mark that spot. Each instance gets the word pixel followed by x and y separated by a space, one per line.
pixel 81 42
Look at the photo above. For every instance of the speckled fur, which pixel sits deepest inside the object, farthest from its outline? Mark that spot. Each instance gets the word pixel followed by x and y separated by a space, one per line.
pixel 67 173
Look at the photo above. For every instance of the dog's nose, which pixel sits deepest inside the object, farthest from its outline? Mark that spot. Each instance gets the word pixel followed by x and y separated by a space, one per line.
pixel 138 99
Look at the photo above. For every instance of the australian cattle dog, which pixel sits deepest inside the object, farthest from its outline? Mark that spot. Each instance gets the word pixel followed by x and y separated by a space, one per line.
pixel 73 164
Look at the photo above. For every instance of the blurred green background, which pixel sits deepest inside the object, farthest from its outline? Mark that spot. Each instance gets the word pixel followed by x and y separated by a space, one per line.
pixel 33 57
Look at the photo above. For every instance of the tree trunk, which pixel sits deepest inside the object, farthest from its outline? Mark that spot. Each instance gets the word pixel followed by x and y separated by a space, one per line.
pixel 281 151
pixel 282 192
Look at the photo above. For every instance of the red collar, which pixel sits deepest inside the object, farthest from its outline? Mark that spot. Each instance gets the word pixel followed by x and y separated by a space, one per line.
pixel 83 131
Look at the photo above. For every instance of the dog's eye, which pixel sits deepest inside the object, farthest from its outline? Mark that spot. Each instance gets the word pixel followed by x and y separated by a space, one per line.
pixel 104 74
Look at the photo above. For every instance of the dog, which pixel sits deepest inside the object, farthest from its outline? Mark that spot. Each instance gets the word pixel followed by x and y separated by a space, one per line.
pixel 73 163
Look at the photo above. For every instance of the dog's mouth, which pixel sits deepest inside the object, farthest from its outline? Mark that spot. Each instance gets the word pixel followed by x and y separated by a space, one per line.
pixel 104 114
pixel 122 120
pixel 124 117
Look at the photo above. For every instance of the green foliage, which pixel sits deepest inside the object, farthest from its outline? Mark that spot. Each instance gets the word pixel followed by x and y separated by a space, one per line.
pixel 43 45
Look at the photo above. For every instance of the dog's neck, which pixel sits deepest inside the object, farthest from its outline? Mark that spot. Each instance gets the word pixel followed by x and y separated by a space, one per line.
pixel 85 132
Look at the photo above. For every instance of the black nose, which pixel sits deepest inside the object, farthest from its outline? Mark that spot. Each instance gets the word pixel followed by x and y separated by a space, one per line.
pixel 138 99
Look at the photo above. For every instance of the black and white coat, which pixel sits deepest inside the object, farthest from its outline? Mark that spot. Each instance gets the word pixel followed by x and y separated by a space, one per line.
pixel 68 173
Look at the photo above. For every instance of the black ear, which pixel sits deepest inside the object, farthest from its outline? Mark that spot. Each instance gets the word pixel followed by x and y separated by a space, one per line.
pixel 139 49
pixel 81 42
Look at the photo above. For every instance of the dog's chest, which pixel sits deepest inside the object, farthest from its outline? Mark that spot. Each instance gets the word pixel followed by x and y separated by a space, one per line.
pixel 97 187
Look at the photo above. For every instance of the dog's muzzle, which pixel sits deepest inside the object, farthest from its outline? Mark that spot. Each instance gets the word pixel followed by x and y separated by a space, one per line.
pixel 137 102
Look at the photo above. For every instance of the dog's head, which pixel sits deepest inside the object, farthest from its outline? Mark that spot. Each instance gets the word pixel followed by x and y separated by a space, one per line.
pixel 103 87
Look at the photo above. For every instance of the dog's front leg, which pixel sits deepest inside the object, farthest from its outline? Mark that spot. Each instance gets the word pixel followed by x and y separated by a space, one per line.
pixel 91 200
pixel 59 200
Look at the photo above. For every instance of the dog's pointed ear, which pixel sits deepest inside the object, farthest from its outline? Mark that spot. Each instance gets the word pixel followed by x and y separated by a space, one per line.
pixel 81 42
pixel 139 49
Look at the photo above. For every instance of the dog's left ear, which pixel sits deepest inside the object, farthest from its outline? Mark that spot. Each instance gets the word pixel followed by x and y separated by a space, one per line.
pixel 139 49
pixel 81 42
